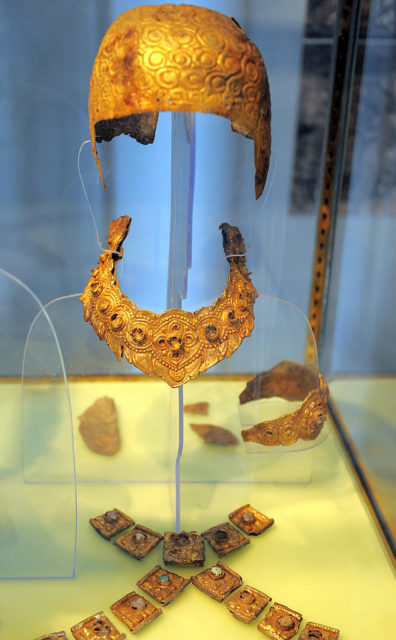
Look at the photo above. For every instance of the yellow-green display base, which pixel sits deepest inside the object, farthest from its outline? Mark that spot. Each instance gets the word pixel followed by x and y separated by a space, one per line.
pixel 323 557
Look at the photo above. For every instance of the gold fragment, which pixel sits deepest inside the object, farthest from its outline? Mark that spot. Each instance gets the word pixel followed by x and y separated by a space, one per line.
pixel 280 623
pixel 217 581
pixel 215 435
pixel 96 627
pixel 99 428
pixel 111 523
pixel 175 345
pixel 163 585
pixel 139 541
pixel 315 631
pixel 200 408
pixel 305 423
pixel 184 549
pixel 135 611
pixel 247 604
pixel 224 539
pixel 179 58
pixel 250 520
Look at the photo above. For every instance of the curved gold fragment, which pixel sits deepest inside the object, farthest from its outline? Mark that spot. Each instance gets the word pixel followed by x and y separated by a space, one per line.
pixel 175 345
pixel 305 423
pixel 179 58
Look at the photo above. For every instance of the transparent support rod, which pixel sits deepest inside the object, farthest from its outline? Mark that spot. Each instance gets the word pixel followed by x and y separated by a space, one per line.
pixel 182 195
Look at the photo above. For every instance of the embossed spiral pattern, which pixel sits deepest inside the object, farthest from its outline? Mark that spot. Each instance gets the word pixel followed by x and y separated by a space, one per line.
pixel 182 58
pixel 175 345
pixel 305 423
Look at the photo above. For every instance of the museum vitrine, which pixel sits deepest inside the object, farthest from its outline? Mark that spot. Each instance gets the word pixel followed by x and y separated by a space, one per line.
pixel 172 435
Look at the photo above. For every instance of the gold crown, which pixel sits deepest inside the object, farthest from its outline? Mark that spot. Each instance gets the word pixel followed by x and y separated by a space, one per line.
pixel 179 58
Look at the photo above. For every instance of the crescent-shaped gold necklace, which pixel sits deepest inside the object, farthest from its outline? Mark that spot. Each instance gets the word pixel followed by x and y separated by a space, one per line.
pixel 176 344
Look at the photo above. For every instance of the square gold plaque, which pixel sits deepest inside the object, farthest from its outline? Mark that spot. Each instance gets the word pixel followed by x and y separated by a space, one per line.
pixel 250 520
pixel 111 523
pixel 247 603
pixel 218 581
pixel 139 541
pixel 184 549
pixel 225 539
pixel 135 611
pixel 96 627
pixel 280 623
pixel 315 631
pixel 162 585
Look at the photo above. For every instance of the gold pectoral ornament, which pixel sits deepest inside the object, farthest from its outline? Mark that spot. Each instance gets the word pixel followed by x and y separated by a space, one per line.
pixel 176 344
pixel 179 58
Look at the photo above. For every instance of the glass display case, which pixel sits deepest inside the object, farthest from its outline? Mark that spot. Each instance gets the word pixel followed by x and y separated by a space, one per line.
pixel 110 471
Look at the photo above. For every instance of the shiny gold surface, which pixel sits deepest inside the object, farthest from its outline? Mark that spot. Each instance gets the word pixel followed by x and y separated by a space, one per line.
pixel 175 345
pixel 303 424
pixel 179 58
pixel 247 604
pixel 96 626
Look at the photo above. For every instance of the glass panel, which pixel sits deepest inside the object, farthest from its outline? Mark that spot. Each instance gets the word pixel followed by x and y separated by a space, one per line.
pixel 38 494
pixel 359 347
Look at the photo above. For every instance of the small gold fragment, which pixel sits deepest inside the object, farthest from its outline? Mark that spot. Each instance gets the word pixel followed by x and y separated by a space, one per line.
pixel 98 427
pixel 280 623
pixel 224 539
pixel 96 627
pixel 184 549
pixel 135 611
pixel 250 520
pixel 139 541
pixel 163 585
pixel 247 603
pixel 215 435
pixel 315 631
pixel 217 581
pixel 111 523
pixel 200 408
pixel 287 379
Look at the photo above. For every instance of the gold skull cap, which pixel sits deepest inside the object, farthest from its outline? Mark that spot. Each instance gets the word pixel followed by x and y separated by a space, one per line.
pixel 179 58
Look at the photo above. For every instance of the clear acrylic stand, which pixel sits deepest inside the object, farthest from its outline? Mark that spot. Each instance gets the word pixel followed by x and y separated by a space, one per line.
pixel 38 483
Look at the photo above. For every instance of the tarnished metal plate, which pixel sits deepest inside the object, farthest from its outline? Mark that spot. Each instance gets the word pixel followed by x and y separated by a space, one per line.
pixel 111 523
pixel 184 549
pixel 135 611
pixel 139 541
pixel 250 520
pixel 225 539
pixel 247 603
pixel 96 627
pixel 280 623
pixel 217 581
pixel 162 585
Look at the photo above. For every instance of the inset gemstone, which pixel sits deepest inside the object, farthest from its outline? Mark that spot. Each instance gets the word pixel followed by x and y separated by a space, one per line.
pixel 139 536
pixel 163 579
pixel 111 516
pixel 248 517
pixel 216 571
pixel 137 603
pixel 286 622
pixel 220 535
